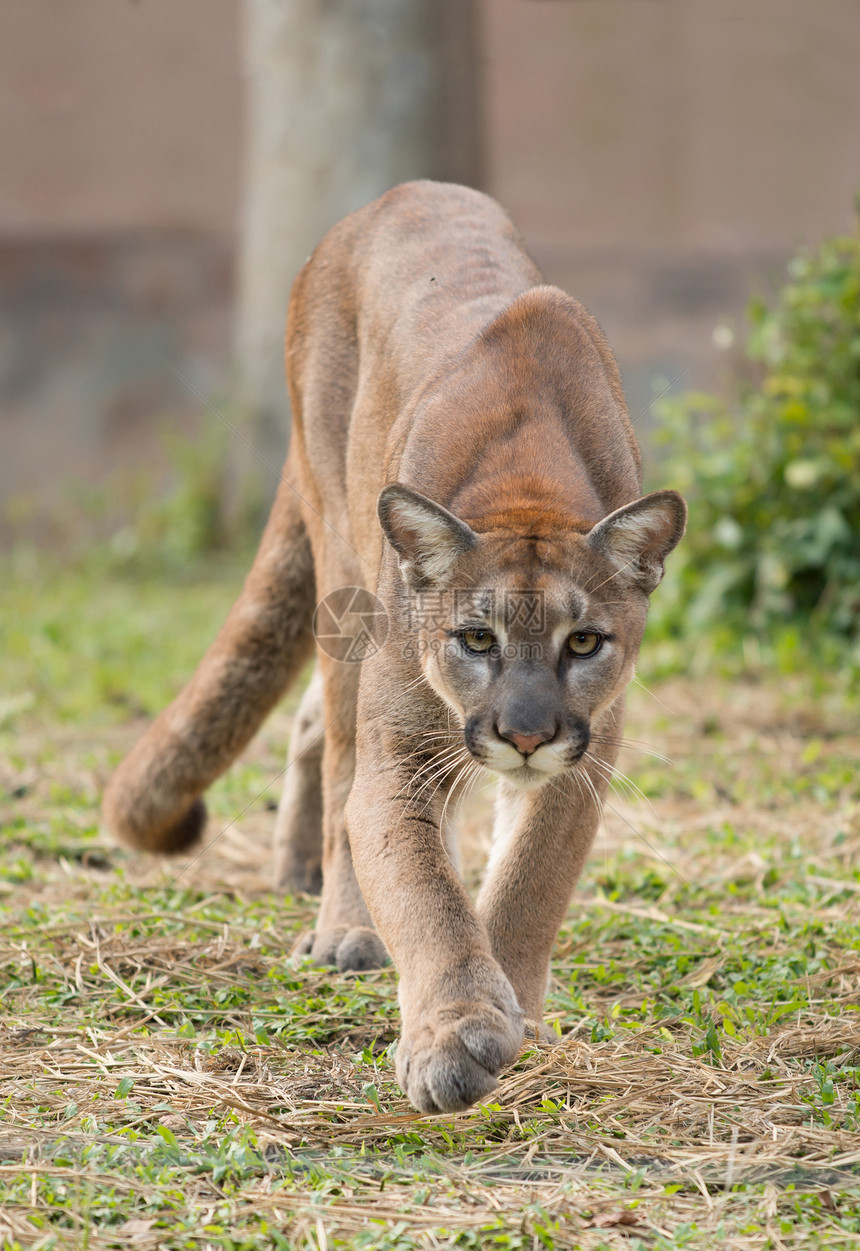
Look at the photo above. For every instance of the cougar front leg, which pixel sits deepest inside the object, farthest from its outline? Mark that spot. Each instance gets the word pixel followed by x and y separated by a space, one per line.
pixel 461 1020
pixel 541 843
pixel 344 935
pixel 298 826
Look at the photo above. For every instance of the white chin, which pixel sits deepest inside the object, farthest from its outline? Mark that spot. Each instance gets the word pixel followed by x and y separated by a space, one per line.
pixel 525 778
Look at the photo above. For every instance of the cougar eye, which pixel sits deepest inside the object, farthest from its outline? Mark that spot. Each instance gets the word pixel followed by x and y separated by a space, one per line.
pixel 478 640
pixel 584 643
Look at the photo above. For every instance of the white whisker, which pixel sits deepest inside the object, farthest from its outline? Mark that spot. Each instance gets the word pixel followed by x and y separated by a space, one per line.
pixel 657 698
pixel 634 745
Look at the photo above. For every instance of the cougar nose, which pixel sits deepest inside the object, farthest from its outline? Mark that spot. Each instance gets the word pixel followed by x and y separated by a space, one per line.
pixel 526 743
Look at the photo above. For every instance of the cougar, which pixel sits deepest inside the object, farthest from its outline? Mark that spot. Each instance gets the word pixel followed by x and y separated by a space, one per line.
pixel 463 492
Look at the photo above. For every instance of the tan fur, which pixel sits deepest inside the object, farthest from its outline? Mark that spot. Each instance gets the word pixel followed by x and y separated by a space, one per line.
pixel 433 378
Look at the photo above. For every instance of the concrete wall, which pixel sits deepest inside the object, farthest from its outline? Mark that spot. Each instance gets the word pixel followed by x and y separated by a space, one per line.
pixel 662 156
pixel 120 128
pixel 665 156
pixel 119 116
pixel 724 125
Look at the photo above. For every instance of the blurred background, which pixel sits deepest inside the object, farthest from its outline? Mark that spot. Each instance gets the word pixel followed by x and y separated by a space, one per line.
pixel 167 167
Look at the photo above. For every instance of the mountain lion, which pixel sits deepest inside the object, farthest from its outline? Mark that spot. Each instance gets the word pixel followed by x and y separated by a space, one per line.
pixel 462 461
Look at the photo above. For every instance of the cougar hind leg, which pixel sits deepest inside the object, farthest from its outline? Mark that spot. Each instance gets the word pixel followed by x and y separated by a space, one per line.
pixel 299 823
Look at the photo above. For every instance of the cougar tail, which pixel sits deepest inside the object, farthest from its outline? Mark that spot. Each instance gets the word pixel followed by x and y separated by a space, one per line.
pixel 153 800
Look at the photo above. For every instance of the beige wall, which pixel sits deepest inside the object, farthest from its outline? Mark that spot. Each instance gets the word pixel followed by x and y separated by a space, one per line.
pixel 688 124
pixel 665 156
pixel 662 156
pixel 714 124
pixel 118 115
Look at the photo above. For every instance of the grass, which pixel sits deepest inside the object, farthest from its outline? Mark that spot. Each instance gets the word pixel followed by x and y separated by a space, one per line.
pixel 170 1079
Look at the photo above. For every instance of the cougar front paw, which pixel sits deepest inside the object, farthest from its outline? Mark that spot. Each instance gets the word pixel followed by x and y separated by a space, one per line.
pixel 351 949
pixel 453 1057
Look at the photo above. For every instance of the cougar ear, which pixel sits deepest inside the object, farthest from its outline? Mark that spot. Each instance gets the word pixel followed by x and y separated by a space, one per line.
pixel 427 538
pixel 638 537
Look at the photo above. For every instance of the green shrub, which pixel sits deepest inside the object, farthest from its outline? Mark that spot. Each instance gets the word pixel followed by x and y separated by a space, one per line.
pixel 774 486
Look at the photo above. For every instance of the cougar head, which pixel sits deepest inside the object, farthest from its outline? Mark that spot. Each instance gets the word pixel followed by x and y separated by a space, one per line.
pixel 528 637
